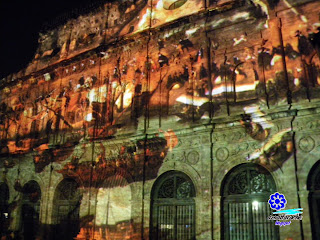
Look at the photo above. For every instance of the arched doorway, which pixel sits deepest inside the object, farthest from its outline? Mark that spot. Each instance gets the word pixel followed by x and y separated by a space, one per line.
pixel 66 210
pixel 313 186
pixel 30 210
pixel 245 192
pixel 173 207
pixel 4 209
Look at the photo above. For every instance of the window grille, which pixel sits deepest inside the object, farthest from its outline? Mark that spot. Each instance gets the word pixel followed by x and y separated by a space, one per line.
pixel 66 209
pixel 173 208
pixel 314 200
pixel 4 208
pixel 245 209
pixel 30 210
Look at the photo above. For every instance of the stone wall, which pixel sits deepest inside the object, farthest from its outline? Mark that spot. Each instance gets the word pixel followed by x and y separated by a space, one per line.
pixel 120 96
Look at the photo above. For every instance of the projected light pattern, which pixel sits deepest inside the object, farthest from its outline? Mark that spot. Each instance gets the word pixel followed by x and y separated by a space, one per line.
pixel 109 96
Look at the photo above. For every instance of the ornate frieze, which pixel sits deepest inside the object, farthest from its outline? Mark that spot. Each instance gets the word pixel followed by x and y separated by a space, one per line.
pixel 190 157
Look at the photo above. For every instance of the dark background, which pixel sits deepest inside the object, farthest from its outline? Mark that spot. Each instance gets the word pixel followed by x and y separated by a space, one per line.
pixel 22 20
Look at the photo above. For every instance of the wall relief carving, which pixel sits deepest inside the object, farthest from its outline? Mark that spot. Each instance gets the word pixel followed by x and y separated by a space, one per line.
pixel 222 154
pixel 192 157
pixel 306 144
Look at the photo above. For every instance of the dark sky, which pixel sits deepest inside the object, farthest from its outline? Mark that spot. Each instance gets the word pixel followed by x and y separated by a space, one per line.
pixel 20 23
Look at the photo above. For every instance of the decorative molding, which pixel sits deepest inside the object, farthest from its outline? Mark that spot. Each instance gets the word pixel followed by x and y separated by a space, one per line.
pixel 307 124
pixel 222 154
pixel 205 139
pixel 306 144
pixel 232 136
pixel 193 157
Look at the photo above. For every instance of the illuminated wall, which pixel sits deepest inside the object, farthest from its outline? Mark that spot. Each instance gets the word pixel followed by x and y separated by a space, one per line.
pixel 111 97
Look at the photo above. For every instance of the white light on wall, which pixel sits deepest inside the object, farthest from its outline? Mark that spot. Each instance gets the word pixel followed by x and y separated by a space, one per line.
pixel 255 205
pixel 88 117
pixel 114 85
pixel 47 76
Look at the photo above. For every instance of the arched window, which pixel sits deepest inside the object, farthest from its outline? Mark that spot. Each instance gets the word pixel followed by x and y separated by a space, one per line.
pixel 4 209
pixel 173 207
pixel 313 185
pixel 245 209
pixel 66 209
pixel 30 209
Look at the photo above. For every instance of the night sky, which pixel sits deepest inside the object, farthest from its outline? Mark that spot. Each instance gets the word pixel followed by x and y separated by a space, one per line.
pixel 20 24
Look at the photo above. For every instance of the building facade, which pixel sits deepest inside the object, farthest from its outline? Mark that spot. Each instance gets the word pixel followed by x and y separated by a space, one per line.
pixel 166 120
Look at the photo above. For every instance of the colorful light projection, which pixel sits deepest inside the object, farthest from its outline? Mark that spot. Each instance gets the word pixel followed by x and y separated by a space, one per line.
pixel 275 149
pixel 231 62
pixel 134 162
pixel 192 71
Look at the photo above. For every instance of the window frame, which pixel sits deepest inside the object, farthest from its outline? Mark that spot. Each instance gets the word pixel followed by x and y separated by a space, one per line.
pixel 67 220
pixel 313 185
pixel 186 203
pixel 247 197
